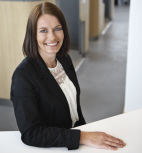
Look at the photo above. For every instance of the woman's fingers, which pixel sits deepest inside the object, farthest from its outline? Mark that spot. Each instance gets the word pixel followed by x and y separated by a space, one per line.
pixel 111 143
pixel 108 147
pixel 116 140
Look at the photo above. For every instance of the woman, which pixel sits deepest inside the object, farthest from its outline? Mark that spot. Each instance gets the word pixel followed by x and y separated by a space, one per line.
pixel 45 91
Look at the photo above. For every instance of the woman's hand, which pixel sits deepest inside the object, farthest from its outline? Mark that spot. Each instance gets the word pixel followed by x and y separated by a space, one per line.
pixel 101 140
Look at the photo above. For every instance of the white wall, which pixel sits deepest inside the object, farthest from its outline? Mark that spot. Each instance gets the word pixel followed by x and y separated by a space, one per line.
pixel 133 94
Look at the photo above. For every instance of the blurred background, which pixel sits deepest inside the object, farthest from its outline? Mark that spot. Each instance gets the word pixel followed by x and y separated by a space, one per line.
pixel 105 49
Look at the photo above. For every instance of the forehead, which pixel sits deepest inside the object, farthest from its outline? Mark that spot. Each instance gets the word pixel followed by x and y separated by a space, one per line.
pixel 47 20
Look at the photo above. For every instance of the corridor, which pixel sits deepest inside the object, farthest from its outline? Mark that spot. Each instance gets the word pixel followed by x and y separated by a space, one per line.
pixel 102 75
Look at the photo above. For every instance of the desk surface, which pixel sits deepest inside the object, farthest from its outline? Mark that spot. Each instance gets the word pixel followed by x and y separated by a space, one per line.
pixel 127 127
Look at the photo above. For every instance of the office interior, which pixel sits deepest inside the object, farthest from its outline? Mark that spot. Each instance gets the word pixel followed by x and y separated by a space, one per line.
pixel 98 32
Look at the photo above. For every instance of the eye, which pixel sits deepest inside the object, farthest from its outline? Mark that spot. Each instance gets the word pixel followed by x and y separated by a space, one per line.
pixel 58 29
pixel 43 31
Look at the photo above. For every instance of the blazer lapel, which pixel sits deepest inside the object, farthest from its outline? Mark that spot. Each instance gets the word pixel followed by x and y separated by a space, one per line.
pixel 53 86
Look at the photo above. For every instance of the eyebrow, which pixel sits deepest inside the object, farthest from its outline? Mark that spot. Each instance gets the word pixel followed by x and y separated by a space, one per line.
pixel 46 28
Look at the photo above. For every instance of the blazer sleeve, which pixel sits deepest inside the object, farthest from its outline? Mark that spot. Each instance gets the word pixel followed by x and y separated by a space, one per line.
pixel 81 118
pixel 33 132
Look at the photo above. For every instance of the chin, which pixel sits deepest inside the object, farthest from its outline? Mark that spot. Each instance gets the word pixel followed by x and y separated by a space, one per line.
pixel 52 52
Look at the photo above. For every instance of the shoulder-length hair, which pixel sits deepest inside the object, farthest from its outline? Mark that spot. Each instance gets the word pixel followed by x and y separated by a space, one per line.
pixel 30 46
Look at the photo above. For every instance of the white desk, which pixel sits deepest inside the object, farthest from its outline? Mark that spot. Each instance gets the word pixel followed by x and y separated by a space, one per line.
pixel 127 127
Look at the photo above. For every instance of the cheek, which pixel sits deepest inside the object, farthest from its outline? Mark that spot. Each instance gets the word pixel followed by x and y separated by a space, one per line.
pixel 40 38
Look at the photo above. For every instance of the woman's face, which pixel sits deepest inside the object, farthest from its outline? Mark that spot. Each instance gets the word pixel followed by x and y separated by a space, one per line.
pixel 50 35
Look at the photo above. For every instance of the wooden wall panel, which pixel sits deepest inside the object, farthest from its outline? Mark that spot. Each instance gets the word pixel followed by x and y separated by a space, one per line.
pixel 97 17
pixel 94 17
pixel 13 21
pixel 84 16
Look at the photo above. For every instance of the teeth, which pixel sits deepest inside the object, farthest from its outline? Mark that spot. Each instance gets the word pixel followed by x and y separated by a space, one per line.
pixel 51 44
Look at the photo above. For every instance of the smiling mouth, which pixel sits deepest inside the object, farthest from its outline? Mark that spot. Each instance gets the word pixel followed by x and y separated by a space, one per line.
pixel 52 44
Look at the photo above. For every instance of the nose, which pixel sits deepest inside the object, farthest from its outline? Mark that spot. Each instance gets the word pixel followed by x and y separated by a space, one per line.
pixel 51 35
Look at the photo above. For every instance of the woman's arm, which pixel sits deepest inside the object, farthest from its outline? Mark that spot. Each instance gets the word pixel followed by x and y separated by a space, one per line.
pixel 35 133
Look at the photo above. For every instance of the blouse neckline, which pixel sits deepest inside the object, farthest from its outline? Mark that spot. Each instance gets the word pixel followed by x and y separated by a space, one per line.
pixel 54 67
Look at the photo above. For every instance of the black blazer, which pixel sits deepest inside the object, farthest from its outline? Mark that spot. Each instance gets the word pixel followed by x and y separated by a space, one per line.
pixel 41 108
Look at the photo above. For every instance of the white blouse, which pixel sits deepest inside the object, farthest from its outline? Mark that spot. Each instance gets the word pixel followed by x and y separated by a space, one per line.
pixel 68 89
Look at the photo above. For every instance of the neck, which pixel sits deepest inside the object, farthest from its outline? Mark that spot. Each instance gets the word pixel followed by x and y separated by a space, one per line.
pixel 49 59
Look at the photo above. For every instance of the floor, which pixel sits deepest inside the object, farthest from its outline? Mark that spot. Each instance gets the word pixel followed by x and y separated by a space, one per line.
pixel 101 76
pixel 76 57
